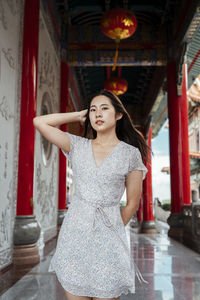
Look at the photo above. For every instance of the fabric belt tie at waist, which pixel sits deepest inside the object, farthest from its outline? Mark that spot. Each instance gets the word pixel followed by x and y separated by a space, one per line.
pixel 105 218
pixel 99 207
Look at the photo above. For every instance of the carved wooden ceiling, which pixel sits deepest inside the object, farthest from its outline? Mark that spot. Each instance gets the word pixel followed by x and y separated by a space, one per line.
pixel 162 25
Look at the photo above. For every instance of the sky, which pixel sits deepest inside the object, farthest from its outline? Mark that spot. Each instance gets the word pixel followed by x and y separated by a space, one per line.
pixel 160 159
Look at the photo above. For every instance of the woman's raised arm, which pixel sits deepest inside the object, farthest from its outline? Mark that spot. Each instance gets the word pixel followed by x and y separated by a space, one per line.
pixel 46 125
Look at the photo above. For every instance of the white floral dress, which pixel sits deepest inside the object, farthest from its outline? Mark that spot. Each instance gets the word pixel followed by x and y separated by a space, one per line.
pixel 92 256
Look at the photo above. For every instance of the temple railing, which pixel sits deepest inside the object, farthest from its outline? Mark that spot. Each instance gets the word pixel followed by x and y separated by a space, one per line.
pixel 191 225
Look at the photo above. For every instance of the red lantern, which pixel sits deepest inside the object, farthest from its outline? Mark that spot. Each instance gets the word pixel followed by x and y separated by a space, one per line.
pixel 118 23
pixel 116 85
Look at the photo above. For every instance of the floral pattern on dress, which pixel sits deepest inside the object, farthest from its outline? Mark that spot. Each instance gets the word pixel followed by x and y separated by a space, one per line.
pixel 92 256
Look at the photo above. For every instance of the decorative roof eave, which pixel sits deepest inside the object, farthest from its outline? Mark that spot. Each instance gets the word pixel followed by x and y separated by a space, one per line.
pixel 194 91
pixel 152 57
pixel 194 165
pixel 146 35
pixel 159 113
pixel 186 22
pixel 194 155
pixel 193 24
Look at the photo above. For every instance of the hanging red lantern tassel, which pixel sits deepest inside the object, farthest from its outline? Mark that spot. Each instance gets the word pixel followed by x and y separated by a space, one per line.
pixel 118 23
pixel 116 57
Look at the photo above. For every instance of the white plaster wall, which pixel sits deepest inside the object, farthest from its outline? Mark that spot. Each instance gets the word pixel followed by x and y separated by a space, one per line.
pixel 45 193
pixel 11 19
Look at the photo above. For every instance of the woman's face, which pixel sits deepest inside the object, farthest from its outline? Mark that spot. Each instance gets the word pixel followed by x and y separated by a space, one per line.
pixel 102 113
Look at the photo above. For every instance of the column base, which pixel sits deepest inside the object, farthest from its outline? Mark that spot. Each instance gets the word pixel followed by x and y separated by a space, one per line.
pixel 26 235
pixel 26 230
pixel 175 222
pixel 148 227
pixel 191 241
pixel 25 257
pixel 191 221
pixel 195 245
pixel 61 215
pixel 134 222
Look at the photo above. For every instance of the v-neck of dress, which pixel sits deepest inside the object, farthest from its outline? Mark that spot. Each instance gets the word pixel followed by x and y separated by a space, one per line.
pixel 95 164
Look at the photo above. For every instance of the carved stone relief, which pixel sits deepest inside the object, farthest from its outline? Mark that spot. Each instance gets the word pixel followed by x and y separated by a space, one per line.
pixel 18 104
pixel 46 146
pixel 6 216
pixel 14 6
pixel 3 19
pixel 5 110
pixel 11 31
pixel 8 54
pixel 49 60
pixel 46 192
pixel 49 27
pixel 46 75
pixel 46 155
pixel 6 257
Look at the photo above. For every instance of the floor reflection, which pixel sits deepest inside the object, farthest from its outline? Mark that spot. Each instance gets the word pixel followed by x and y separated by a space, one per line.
pixel 172 270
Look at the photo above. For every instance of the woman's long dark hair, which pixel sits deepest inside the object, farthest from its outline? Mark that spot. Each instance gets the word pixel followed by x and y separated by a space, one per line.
pixel 125 130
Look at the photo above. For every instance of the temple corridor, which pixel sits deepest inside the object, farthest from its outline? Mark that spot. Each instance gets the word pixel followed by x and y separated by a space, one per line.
pixel 55 55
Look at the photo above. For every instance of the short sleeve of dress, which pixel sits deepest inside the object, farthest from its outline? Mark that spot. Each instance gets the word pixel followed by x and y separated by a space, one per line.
pixel 74 142
pixel 136 163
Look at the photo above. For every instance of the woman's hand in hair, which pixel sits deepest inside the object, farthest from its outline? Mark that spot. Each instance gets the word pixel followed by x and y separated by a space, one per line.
pixel 82 116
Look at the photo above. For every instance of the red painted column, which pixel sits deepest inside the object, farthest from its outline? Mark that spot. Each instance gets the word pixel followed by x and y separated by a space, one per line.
pixel 26 230
pixel 179 151
pixel 179 143
pixel 28 108
pixel 148 224
pixel 62 159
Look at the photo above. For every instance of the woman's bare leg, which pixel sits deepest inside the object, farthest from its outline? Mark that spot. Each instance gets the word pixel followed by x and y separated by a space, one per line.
pixel 69 296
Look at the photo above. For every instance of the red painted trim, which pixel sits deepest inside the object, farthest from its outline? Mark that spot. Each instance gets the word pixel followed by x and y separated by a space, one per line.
pixel 194 60
pixel 111 46
pixel 53 19
pixel 148 201
pixel 62 160
pixel 74 88
pixel 179 142
pixel 189 2
pixel 28 108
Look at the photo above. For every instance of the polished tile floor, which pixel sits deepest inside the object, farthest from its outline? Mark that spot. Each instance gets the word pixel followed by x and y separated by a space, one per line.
pixel 172 270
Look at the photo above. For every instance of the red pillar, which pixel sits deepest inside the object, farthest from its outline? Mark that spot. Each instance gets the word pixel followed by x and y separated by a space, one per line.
pixel 26 228
pixel 148 224
pixel 179 150
pixel 62 159
pixel 178 136
pixel 28 108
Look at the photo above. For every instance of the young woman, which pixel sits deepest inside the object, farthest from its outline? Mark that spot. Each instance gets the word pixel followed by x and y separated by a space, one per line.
pixel 92 258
